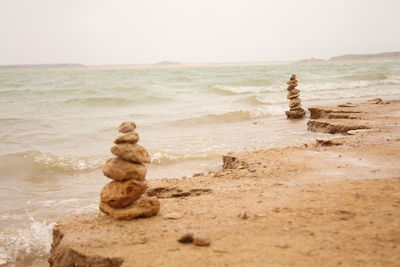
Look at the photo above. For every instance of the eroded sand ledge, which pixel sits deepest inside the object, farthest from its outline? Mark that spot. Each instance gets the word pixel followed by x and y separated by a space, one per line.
pixel 332 202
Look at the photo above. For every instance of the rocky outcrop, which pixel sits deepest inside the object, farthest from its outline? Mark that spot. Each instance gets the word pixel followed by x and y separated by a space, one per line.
pixel 296 111
pixel 332 127
pixel 122 198
pixel 319 113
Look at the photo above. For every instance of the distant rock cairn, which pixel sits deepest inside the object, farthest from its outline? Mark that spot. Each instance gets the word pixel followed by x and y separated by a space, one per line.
pixel 122 198
pixel 295 112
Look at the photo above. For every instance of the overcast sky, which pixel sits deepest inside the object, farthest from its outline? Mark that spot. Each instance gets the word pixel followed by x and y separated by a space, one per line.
pixel 149 31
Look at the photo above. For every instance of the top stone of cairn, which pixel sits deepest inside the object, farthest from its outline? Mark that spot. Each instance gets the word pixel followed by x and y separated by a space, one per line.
pixel 127 127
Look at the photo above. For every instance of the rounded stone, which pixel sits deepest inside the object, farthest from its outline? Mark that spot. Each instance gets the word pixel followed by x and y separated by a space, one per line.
pixel 131 152
pixel 131 137
pixel 201 240
pixel 127 127
pixel 119 169
pixel 143 207
pixel 294 91
pixel 186 238
pixel 291 96
pixel 294 102
pixel 119 194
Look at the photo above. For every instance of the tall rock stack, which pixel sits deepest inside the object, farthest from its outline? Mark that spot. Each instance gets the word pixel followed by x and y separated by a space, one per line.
pixel 295 112
pixel 122 198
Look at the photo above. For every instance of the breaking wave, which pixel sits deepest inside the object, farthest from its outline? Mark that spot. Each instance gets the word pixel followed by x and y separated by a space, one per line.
pixel 27 243
pixel 234 90
pixel 46 162
pixel 164 157
pixel 233 116
pixel 118 101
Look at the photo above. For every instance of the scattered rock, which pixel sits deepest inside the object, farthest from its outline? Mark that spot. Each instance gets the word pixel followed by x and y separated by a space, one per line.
pixel 172 192
pixel 172 216
pixel 328 142
pixel 201 240
pixel 229 162
pixel 186 238
pixel 127 127
pixel 347 105
pixel 119 169
pixel 243 215
pixel 132 153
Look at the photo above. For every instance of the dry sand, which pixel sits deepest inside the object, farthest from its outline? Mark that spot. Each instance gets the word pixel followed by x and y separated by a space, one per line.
pixel 331 203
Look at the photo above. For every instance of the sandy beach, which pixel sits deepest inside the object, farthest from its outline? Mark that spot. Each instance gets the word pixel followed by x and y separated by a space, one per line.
pixel 330 202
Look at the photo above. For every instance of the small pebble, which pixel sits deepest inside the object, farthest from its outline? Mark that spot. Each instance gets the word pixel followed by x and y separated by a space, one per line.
pixel 172 216
pixel 186 238
pixel 201 240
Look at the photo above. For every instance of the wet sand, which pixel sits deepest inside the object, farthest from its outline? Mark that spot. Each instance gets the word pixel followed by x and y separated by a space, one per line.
pixel 329 202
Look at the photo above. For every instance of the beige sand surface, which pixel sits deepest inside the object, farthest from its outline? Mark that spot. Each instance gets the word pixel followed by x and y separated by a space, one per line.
pixel 335 203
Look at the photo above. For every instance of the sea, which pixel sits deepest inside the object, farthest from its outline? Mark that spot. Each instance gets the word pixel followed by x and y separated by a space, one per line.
pixel 57 125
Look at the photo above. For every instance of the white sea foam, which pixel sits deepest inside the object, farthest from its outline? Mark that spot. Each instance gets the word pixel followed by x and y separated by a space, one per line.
pixel 32 240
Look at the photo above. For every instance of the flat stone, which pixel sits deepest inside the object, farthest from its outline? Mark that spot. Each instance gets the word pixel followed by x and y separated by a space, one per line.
pixel 294 91
pixel 201 240
pixel 119 169
pixel 120 194
pixel 144 207
pixel 131 137
pixel 295 114
pixel 132 153
pixel 126 127
pixel 294 102
pixel 291 96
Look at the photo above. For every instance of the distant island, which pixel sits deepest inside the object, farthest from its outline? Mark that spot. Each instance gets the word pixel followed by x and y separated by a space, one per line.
pixel 43 66
pixel 167 63
pixel 387 56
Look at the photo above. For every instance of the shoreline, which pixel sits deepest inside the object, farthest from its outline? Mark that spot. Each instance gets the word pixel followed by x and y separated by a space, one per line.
pixel 320 203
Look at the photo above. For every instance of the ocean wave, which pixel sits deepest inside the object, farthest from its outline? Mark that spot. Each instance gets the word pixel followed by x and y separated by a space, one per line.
pixel 118 101
pixel 165 157
pixel 347 85
pixel 234 90
pixel 47 162
pixel 228 117
pixel 366 77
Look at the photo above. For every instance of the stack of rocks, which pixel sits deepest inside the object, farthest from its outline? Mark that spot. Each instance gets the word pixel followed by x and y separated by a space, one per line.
pixel 295 112
pixel 122 198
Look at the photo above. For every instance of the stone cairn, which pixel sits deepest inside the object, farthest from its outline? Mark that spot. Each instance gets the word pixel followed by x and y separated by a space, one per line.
pixel 122 198
pixel 295 112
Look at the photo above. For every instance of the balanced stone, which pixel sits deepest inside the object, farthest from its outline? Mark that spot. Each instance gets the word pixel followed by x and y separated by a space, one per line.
pixel 119 194
pixel 294 102
pixel 127 127
pixel 119 169
pixel 291 96
pixel 122 198
pixel 131 152
pixel 295 112
pixel 131 137
pixel 143 207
